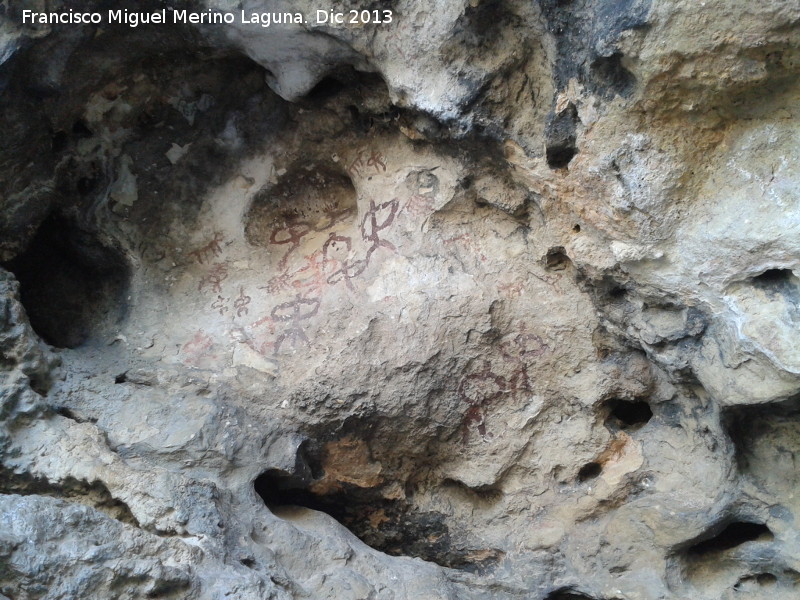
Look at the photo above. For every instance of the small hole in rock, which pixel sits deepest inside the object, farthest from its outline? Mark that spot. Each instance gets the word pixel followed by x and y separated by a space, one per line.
pixel 628 414
pixel 121 378
pixel 589 471
pixel 576 228
pixel 735 534
pixel 556 259
pixel 558 157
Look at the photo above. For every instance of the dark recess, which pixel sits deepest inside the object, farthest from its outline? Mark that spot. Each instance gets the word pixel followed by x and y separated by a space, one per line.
pixel 586 34
pixel 67 413
pixel 609 73
pixel 628 414
pixel 556 259
pixel 94 494
pixel 567 594
pixel 773 276
pixel 560 138
pixel 747 424
pixel 589 471
pixel 277 488
pixel 735 534
pixel 559 156
pixel 81 129
pixel 764 579
pixel 777 280
pixel 59 141
pixel 70 283
pixel 607 291
pixel 352 88
pixel 328 87
pixel 390 526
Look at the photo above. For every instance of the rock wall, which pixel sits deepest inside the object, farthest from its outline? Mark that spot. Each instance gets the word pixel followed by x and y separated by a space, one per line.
pixel 497 300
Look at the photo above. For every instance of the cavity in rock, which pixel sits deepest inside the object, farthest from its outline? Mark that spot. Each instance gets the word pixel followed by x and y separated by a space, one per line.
pixel 71 284
pixel 735 534
pixel 391 526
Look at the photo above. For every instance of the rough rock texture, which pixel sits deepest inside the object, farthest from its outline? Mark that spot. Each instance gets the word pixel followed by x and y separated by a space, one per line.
pixel 498 300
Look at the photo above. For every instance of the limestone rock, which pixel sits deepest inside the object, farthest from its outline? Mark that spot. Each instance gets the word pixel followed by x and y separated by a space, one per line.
pixel 495 299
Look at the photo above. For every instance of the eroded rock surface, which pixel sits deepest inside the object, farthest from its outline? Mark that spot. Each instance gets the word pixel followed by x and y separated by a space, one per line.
pixel 497 300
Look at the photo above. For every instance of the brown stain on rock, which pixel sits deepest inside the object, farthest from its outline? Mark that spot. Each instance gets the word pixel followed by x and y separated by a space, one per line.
pixel 347 461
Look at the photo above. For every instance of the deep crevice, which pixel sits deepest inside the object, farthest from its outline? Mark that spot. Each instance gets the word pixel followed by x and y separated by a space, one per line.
pixel 68 414
pixel 760 579
pixel 733 535
pixel 95 495
pixel 567 594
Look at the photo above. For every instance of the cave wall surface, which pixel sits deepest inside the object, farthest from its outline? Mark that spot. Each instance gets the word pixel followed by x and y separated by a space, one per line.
pixel 498 300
